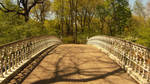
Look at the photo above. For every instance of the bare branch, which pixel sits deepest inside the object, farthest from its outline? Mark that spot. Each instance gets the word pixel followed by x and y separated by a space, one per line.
pixel 34 4
pixel 24 7
pixel 4 9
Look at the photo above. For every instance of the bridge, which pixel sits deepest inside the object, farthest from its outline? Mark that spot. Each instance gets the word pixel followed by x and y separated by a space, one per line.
pixel 46 60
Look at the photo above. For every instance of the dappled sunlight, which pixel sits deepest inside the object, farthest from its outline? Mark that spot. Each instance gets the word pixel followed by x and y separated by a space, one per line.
pixel 77 63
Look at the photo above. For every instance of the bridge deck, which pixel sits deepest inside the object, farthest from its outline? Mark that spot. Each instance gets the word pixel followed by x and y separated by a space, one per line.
pixel 78 64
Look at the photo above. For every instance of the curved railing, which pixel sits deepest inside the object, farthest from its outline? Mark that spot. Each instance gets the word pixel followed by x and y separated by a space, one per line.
pixel 15 54
pixel 134 58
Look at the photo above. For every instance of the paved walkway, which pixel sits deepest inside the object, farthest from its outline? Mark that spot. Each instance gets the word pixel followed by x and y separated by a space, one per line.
pixel 78 64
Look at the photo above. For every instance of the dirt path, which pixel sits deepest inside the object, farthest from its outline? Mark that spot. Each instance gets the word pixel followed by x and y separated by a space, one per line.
pixel 78 64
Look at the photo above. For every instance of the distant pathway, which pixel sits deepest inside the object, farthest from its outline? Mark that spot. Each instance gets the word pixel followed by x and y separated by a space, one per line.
pixel 78 64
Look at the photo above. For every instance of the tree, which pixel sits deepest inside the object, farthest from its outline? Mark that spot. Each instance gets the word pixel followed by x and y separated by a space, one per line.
pixel 122 15
pixel 23 7
pixel 40 11
pixel 139 9
pixel 101 13
pixel 148 8
pixel 116 14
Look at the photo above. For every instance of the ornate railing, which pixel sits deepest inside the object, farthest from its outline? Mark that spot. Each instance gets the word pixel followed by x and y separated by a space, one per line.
pixel 15 54
pixel 134 58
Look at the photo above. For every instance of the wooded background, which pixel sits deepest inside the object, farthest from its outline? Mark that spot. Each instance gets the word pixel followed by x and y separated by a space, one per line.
pixel 74 20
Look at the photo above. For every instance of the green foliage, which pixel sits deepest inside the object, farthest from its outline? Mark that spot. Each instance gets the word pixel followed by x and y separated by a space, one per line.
pixel 138 31
pixel 14 28
pixel 139 8
pixel 144 36
pixel 68 39
pixel 115 14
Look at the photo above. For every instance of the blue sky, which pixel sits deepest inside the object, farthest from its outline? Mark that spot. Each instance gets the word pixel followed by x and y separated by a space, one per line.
pixel 143 1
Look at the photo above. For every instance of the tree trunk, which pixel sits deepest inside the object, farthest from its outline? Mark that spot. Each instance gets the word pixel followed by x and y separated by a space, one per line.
pixel 82 29
pixel 26 17
pixel 76 26
pixel 62 28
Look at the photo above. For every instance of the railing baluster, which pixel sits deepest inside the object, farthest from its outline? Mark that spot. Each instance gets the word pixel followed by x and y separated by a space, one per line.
pixel 5 62
pixel 13 60
pixel 9 62
pixel 21 53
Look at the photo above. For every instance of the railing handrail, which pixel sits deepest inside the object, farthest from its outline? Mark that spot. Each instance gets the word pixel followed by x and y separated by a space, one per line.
pixel 133 43
pixel 21 40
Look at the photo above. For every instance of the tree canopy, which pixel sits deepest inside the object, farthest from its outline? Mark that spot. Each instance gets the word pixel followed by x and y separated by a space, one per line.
pixel 74 20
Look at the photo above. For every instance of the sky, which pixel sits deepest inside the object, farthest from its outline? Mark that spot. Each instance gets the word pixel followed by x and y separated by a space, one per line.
pixel 131 2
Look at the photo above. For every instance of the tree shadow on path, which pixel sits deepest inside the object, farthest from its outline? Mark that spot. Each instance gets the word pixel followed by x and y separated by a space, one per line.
pixel 80 66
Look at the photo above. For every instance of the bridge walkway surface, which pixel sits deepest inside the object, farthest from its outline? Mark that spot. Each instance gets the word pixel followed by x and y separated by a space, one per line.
pixel 77 64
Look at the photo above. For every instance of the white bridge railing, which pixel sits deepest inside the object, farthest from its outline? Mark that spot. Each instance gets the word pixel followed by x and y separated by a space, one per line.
pixel 16 54
pixel 134 58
